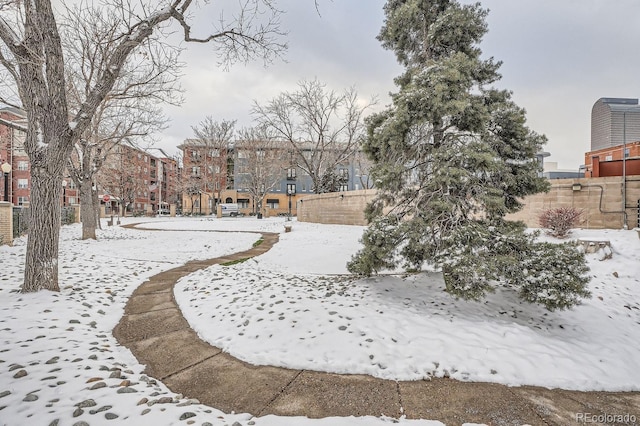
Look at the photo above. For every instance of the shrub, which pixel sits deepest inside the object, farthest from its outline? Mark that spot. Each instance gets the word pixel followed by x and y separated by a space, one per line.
pixel 558 222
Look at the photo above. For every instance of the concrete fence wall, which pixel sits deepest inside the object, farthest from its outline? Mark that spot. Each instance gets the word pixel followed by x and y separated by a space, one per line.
pixel 344 208
pixel 599 198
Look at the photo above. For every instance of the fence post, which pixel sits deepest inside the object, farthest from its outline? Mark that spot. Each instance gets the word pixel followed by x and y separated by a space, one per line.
pixel 6 222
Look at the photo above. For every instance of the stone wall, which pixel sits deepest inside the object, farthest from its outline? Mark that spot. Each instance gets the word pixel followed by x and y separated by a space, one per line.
pixel 599 198
pixel 344 208
pixel 6 222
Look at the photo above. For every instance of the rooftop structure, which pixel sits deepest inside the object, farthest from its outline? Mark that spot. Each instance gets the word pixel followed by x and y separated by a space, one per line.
pixel 614 121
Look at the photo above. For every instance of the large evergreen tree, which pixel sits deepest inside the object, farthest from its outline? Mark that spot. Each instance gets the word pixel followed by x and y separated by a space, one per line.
pixel 452 156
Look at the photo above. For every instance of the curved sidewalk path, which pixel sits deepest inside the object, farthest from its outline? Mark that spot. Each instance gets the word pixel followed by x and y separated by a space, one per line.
pixel 154 329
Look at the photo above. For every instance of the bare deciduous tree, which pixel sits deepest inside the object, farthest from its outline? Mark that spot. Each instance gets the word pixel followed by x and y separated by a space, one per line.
pixel 206 160
pixel 260 160
pixel 119 176
pixel 33 64
pixel 212 139
pixel 129 112
pixel 363 169
pixel 322 127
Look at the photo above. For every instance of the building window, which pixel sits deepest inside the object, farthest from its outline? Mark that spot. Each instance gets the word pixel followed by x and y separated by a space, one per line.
pixel 291 188
pixel 273 203
pixel 195 171
pixel 344 187
pixel 23 183
pixel 23 166
pixel 291 173
pixel 72 200
pixel 215 153
pixel 344 173
pixel 23 200
pixel 243 203
pixel 626 153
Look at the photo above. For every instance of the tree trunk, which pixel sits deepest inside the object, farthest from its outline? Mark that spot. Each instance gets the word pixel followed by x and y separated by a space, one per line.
pixel 41 265
pixel 95 207
pixel 88 214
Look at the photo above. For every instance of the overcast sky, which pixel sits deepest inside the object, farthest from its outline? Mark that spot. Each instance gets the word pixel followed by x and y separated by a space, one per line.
pixel 559 57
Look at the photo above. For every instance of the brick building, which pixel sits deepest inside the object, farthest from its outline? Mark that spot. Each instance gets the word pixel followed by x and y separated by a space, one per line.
pixel 142 181
pixel 137 181
pixel 12 152
pixel 13 124
pixel 227 178
pixel 615 136
pixel 609 161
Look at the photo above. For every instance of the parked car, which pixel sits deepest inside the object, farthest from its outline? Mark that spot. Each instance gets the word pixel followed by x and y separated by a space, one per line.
pixel 229 209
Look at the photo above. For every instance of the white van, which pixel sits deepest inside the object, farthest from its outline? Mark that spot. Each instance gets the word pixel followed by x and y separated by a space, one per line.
pixel 229 209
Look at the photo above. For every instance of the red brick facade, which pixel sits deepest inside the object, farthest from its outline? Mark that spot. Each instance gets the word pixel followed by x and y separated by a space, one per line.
pixel 12 152
pixel 142 182
pixel 608 161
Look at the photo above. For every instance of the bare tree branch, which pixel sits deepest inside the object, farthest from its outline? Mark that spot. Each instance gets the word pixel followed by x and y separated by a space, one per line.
pixel 33 55
pixel 322 127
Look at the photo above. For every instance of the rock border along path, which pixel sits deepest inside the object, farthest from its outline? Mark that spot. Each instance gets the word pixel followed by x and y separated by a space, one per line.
pixel 154 329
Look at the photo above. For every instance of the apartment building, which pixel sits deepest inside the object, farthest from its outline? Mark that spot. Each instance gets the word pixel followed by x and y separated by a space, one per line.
pixel 12 152
pixel 206 171
pixel 136 181
pixel 13 123
pixel 267 170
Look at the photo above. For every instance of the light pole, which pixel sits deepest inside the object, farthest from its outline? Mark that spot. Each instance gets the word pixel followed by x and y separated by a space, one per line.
pixel 6 169
pixel 624 170
pixel 291 189
pixel 64 192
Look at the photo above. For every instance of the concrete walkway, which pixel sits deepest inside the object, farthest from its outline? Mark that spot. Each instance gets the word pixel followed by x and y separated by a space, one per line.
pixel 154 329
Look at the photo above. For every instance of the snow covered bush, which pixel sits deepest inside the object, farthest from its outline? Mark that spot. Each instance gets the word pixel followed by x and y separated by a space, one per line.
pixel 551 275
pixel 559 221
pixel 476 258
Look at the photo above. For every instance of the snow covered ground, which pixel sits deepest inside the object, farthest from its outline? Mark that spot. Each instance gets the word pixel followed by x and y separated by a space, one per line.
pixel 407 327
pixel 59 360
